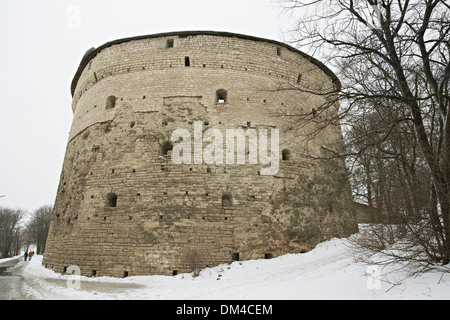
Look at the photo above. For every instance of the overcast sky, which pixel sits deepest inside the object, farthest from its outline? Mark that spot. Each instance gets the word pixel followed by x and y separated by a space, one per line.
pixel 42 43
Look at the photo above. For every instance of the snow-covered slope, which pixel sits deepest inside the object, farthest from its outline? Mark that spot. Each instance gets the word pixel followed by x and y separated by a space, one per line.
pixel 327 272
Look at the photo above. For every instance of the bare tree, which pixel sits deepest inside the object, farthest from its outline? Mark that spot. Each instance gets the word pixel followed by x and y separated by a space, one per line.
pixel 393 54
pixel 37 228
pixel 10 231
pixel 192 259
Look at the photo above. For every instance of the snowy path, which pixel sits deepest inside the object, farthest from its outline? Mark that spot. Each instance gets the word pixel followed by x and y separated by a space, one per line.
pixel 10 284
pixel 327 272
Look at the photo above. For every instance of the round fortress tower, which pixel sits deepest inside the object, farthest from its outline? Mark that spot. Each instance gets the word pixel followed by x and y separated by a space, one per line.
pixel 185 152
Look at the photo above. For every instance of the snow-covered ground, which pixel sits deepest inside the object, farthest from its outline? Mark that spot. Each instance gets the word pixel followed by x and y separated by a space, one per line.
pixel 327 272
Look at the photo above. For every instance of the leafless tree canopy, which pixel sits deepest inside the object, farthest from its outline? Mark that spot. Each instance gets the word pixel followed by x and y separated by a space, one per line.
pixel 393 60
pixel 17 234
pixel 37 228
pixel 10 232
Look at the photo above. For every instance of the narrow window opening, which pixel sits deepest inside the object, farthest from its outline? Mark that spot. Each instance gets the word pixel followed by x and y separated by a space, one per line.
pixel 227 200
pixel 111 200
pixel 299 78
pixel 169 43
pixel 285 155
pixel 187 62
pixel 111 102
pixel 221 96
pixel 235 256
pixel 278 51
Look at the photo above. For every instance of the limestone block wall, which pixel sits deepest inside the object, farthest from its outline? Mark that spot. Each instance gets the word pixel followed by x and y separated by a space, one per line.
pixel 125 208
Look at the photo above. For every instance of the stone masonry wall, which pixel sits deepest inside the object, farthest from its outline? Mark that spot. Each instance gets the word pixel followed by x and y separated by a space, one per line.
pixel 124 208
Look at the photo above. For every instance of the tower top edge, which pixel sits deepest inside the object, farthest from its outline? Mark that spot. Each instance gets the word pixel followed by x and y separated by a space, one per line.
pixel 91 53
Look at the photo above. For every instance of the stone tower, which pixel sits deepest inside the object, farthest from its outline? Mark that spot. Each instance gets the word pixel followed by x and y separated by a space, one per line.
pixel 126 206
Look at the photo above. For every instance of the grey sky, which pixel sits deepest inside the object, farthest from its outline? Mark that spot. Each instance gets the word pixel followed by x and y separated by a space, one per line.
pixel 43 42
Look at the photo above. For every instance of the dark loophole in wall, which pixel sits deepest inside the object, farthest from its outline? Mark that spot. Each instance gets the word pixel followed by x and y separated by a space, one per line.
pixel 111 200
pixel 111 102
pixel 286 155
pixel 221 96
pixel 166 147
pixel 278 51
pixel 227 199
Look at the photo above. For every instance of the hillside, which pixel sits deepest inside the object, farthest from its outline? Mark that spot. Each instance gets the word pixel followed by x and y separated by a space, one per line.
pixel 327 272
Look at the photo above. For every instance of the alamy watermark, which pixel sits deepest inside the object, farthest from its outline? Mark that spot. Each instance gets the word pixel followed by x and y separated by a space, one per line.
pixel 73 281
pixel 375 17
pixel 373 278
pixel 219 147
pixel 73 21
